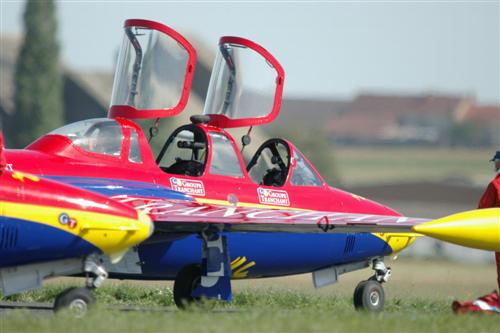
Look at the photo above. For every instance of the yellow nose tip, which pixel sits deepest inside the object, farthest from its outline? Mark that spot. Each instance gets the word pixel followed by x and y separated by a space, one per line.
pixel 479 229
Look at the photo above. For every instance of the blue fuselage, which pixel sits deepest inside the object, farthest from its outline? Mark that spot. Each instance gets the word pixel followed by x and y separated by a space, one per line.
pixel 270 254
pixel 24 242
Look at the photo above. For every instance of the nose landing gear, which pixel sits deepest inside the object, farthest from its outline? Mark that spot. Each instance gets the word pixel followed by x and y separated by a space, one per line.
pixel 369 294
pixel 79 300
pixel 76 300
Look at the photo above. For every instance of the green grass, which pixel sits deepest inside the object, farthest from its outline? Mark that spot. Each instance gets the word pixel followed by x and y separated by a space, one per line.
pixel 369 165
pixel 266 310
pixel 418 299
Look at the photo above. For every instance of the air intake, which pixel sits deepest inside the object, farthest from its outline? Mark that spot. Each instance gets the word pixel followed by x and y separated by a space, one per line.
pixel 8 237
pixel 349 244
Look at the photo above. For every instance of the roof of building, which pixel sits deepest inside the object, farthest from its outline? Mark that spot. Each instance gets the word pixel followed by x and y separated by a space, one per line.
pixel 377 116
pixel 426 104
pixel 482 115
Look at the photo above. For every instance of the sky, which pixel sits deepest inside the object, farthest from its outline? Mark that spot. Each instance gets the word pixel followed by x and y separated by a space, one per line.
pixel 329 49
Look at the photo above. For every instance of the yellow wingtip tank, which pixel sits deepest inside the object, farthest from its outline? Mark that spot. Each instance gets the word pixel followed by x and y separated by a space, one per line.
pixel 479 229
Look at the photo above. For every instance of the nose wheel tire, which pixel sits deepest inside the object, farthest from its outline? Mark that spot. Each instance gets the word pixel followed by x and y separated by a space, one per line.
pixel 76 300
pixel 369 296
pixel 185 282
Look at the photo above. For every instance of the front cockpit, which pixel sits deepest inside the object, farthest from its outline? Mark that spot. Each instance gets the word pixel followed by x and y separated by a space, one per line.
pixel 276 161
pixel 270 164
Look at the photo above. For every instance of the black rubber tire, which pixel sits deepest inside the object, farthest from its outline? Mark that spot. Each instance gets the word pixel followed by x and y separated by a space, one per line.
pixel 76 300
pixel 185 282
pixel 369 296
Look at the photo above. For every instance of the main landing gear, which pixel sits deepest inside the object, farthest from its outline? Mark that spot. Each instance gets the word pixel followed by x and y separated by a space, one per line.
pixel 369 294
pixel 78 300
pixel 211 279
pixel 186 281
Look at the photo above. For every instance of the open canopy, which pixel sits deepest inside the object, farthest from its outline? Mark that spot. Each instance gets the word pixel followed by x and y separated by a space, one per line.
pixel 246 85
pixel 154 72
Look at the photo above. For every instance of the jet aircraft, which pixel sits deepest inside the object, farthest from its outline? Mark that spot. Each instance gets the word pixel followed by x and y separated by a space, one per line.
pixel 216 216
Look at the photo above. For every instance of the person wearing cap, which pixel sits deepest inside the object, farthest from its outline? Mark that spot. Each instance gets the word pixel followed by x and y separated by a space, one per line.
pixel 489 199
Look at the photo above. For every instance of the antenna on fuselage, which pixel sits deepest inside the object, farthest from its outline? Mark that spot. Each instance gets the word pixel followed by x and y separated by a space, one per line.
pixel 246 139
pixel 153 130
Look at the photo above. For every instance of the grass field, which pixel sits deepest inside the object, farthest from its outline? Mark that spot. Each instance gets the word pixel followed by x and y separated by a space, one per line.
pixel 373 165
pixel 418 299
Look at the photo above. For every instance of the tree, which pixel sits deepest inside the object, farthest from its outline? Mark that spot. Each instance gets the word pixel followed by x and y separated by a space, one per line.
pixel 38 80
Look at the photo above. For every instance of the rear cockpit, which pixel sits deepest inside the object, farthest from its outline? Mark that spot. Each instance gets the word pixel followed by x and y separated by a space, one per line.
pixel 185 152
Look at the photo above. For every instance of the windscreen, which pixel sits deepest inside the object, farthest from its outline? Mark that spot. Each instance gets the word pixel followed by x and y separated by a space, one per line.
pixel 101 136
pixel 224 159
pixel 302 174
pixel 243 84
pixel 151 70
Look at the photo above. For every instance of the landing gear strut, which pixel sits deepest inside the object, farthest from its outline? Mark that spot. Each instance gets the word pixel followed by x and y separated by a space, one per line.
pixel 369 294
pixel 79 300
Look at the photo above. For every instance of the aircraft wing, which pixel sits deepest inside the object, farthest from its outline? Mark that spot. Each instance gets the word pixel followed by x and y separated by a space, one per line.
pixel 476 228
pixel 192 216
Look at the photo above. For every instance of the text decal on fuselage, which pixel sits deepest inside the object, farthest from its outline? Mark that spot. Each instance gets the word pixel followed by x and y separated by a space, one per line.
pixel 273 197
pixel 188 186
pixel 169 211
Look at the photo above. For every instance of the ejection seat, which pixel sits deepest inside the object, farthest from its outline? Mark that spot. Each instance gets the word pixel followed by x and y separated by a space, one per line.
pixel 185 152
pixel 270 164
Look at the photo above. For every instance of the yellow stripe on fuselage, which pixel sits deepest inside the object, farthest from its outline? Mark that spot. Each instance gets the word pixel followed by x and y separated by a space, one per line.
pixel 108 237
pixel 244 204
pixel 397 241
